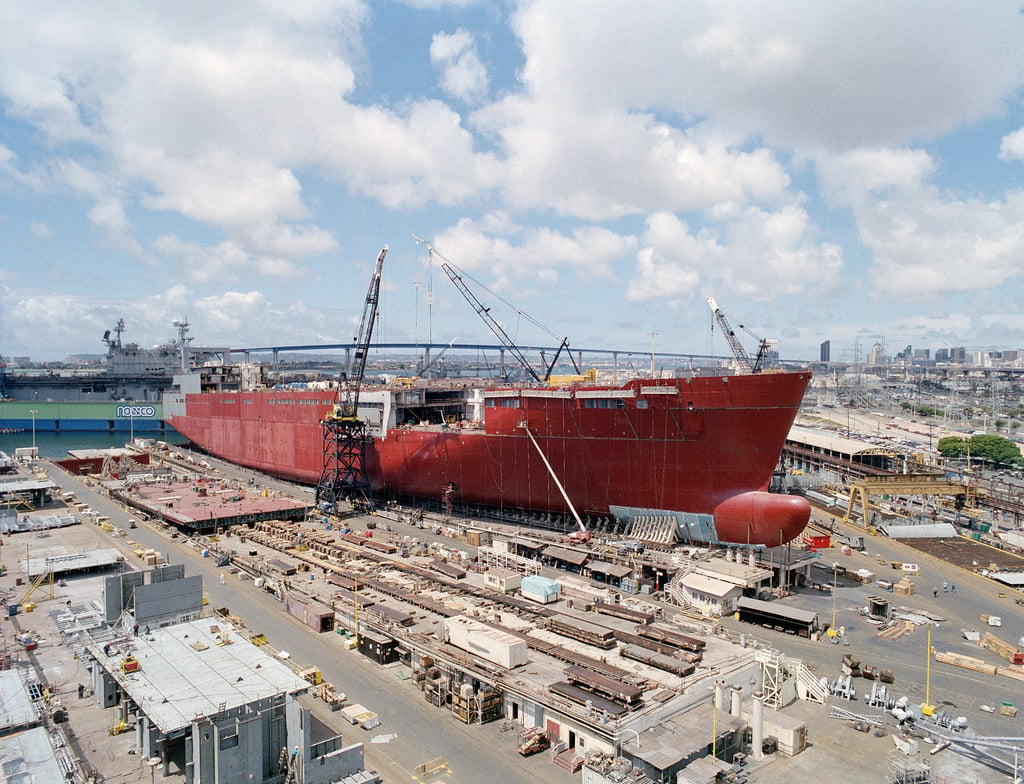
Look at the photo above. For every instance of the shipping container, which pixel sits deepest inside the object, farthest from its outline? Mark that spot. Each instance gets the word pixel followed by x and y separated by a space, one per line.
pixel 316 616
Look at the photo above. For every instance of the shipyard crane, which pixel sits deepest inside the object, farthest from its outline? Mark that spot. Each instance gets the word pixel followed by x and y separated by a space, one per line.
pixel 437 358
pixel 484 312
pixel 343 475
pixel 762 348
pixel 739 353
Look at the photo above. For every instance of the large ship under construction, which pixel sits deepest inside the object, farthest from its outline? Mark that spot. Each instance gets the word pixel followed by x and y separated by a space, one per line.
pixel 700 449
pixel 696 452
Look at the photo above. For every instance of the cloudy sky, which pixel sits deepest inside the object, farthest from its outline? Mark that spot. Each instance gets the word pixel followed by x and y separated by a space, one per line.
pixel 844 171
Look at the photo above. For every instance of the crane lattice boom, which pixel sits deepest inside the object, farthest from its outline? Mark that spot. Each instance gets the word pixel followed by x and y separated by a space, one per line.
pixel 739 353
pixel 352 376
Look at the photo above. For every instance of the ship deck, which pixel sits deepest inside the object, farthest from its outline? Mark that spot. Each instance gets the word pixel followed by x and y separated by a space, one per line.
pixel 205 507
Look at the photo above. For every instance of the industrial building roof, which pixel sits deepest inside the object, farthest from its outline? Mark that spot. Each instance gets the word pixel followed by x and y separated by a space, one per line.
pixel 610 569
pixel 72 562
pixel 738 572
pixel 778 607
pixel 1012 539
pixel 1009 578
pixel 186 671
pixel 680 737
pixel 25 485
pixel 16 706
pixel 709 585
pixel 832 443
pixel 919 530
pixel 29 756
pixel 576 557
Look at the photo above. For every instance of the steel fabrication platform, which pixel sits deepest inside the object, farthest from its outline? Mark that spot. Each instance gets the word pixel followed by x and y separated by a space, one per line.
pixel 207 506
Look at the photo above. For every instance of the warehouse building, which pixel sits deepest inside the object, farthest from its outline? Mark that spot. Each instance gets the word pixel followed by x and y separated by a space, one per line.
pixel 216 707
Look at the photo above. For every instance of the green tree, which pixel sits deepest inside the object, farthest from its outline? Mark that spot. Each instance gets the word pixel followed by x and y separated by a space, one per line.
pixel 996 449
pixel 952 446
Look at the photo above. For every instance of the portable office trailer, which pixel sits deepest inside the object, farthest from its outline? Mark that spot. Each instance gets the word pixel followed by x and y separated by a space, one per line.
pixel 502 580
pixel 379 647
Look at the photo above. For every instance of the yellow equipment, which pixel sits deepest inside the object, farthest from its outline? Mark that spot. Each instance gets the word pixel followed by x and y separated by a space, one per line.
pixel 130 664
pixel 26 605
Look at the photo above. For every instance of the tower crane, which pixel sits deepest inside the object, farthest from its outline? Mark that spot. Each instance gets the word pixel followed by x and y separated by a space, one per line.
pixel 484 312
pixel 738 352
pixel 343 475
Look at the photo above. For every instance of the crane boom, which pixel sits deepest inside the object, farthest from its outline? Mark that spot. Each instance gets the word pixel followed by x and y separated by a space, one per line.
pixel 482 310
pixel 343 474
pixel 738 352
pixel 352 377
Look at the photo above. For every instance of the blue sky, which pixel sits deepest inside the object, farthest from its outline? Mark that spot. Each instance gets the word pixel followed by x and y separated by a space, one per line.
pixel 844 171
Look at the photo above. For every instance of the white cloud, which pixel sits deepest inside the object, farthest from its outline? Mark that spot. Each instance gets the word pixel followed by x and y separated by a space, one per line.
pixel 759 254
pixel 217 118
pixel 926 242
pixel 1012 146
pixel 608 164
pixel 422 157
pixel 516 255
pixel 223 261
pixel 795 74
pixel 463 75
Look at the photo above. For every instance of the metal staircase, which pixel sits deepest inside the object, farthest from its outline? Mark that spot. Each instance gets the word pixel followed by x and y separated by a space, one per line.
pixel 776 666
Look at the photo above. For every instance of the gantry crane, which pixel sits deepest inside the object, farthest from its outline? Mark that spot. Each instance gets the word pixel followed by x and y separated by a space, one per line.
pixel 344 434
pixel 738 352
pixel 484 312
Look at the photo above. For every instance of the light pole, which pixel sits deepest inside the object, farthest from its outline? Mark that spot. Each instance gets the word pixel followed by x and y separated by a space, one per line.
pixel 33 412
pixel 653 335
pixel 927 708
pixel 835 576
pixel 714 730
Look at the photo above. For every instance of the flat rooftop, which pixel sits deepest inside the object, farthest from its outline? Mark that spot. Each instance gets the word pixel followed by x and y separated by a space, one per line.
pixel 185 671
pixel 17 708
pixel 29 756
pixel 72 562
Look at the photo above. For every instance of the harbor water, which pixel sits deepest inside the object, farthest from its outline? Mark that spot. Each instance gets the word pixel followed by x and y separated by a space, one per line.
pixel 56 445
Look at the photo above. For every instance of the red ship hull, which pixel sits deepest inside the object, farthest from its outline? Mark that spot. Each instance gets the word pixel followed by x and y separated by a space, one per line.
pixel 703 446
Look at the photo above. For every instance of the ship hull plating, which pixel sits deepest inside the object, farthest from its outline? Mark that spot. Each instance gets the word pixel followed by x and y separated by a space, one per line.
pixel 702 445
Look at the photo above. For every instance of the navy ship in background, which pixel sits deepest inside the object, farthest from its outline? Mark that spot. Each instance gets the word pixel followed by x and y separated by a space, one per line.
pixel 124 392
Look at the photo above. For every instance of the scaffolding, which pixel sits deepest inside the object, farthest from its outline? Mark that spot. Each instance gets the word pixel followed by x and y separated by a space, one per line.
pixel 904 769
pixel 496 559
pixel 773 675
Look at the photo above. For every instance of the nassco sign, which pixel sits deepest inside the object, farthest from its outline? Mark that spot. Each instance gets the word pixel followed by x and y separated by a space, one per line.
pixel 136 411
